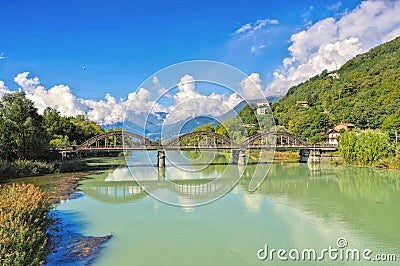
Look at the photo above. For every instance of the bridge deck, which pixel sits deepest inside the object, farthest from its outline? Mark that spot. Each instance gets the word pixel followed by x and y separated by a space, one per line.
pixel 186 148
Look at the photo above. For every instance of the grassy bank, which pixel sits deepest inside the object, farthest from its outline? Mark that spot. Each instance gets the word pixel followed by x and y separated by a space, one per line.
pixel 23 168
pixel 287 156
pixel 24 219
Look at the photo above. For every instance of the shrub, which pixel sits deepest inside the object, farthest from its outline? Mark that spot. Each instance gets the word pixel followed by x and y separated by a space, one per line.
pixel 23 221
pixel 367 148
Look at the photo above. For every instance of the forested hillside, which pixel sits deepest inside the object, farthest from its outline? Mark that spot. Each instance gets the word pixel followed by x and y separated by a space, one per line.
pixel 365 91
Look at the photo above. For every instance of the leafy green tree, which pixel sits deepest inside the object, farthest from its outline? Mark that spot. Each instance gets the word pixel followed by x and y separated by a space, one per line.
pixel 366 148
pixel 371 146
pixel 392 125
pixel 220 129
pixel 23 135
pixel 205 127
pixel 60 128
pixel 60 141
pixel 248 116
pixel 346 146
pixel 84 129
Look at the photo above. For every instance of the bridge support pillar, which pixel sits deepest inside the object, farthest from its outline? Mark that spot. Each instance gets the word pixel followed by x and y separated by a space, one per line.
pixel 315 156
pixel 161 159
pixel 304 154
pixel 161 174
pixel 242 157
pixel 310 156
pixel 238 157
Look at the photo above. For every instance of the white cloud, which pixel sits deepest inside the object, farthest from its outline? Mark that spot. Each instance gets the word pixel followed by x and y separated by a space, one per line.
pixel 2 56
pixel 243 28
pixel 140 101
pixel 187 101
pixel 104 112
pixel 334 7
pixel 257 48
pixel 58 97
pixel 250 28
pixel 329 43
pixel 252 87
pixel 3 89
pixel 27 84
pixel 190 103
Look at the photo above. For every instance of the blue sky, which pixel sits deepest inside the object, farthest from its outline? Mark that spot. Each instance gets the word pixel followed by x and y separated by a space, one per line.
pixel 122 43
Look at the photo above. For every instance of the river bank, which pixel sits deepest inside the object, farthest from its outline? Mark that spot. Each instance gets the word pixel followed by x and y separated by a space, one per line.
pixel 65 245
pixel 26 168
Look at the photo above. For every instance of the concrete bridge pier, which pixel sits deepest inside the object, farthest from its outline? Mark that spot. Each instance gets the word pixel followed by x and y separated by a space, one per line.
pixel 242 157
pixel 238 157
pixel 310 156
pixel 161 174
pixel 315 156
pixel 161 159
pixel 304 154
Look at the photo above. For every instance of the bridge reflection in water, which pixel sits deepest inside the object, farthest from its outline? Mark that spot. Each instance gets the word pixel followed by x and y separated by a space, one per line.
pixel 119 186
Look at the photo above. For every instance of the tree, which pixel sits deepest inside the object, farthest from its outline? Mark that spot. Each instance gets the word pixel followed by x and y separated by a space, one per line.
pixel 346 146
pixel 220 129
pixel 371 146
pixel 248 116
pixel 205 127
pixel 392 124
pixel 23 135
pixel 367 148
pixel 59 128
pixel 84 129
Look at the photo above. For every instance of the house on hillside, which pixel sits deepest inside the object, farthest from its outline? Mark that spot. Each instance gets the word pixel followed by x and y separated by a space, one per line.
pixel 334 133
pixel 302 103
pixel 345 126
pixel 334 75
pixel 333 136
pixel 262 107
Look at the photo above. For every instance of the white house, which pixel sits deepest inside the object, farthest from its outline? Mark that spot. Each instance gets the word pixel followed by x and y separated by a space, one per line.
pixel 333 136
pixel 334 133
pixel 262 107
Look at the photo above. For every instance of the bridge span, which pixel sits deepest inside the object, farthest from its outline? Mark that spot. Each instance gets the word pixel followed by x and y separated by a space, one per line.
pixel 120 141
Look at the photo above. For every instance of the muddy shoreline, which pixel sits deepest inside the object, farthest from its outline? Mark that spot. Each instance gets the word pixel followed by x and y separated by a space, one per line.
pixel 66 245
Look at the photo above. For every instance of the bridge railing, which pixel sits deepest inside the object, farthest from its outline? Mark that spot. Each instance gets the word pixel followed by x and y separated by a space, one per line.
pixel 260 140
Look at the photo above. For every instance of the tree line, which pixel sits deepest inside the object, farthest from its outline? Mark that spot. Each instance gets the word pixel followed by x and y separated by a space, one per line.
pixel 27 135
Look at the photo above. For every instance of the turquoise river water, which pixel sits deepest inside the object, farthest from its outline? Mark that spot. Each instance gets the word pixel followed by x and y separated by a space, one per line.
pixel 297 207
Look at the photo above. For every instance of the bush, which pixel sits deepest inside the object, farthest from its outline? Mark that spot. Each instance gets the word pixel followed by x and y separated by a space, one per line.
pixel 24 219
pixel 22 168
pixel 366 148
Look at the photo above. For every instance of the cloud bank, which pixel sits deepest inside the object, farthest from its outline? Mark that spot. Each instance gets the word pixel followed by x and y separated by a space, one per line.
pixel 187 100
pixel 104 112
pixel 3 89
pixel 329 43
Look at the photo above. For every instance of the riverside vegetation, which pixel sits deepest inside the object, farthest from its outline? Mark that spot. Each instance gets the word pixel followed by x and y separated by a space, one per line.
pixel 24 220
pixel 27 138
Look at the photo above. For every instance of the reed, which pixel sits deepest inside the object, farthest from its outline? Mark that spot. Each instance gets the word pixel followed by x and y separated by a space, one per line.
pixel 24 219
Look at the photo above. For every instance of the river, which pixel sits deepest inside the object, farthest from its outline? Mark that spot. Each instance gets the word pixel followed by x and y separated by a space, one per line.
pixel 298 206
